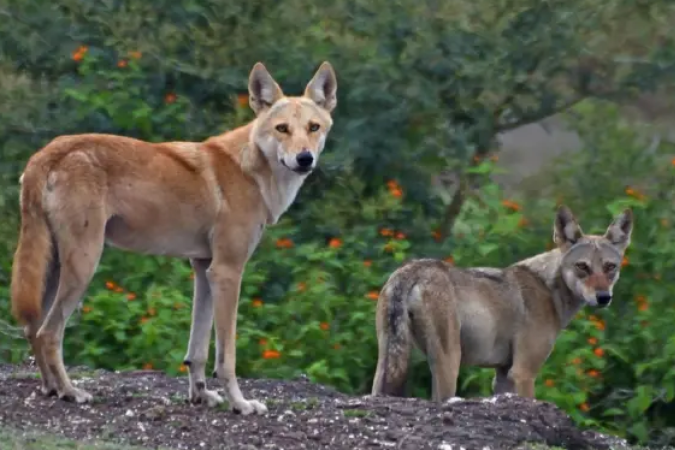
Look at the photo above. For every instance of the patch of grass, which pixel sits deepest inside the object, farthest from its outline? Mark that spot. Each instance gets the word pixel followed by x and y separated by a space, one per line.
pixel 356 413
pixel 225 406
pixel 20 375
pixel 310 403
pixel 270 402
pixel 18 440
pixel 82 374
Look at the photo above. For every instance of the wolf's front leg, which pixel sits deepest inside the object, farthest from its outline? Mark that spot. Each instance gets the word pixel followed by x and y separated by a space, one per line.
pixel 225 284
pixel 200 333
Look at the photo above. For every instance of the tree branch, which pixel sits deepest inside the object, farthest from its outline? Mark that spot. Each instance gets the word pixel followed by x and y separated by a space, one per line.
pixel 539 115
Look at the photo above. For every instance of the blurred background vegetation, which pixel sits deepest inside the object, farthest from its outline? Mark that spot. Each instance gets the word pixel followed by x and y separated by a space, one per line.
pixel 460 125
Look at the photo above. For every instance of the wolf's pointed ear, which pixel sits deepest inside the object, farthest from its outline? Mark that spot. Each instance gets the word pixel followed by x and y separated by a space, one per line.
pixel 566 230
pixel 263 91
pixel 619 231
pixel 323 87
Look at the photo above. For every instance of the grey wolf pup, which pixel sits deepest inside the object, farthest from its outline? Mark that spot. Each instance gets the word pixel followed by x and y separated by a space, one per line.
pixel 507 319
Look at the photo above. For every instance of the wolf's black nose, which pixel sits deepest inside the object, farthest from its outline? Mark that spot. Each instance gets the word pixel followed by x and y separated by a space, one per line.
pixel 603 297
pixel 304 159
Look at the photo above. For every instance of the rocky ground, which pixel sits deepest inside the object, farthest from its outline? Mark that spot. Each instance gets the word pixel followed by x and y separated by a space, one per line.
pixel 150 409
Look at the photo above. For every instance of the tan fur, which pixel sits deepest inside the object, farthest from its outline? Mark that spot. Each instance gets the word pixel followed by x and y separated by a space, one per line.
pixel 507 319
pixel 207 201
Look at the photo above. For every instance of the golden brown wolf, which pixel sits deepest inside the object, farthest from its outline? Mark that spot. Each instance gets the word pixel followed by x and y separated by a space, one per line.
pixel 208 202
pixel 507 319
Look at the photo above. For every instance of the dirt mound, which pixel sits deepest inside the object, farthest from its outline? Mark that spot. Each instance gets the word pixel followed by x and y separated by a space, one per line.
pixel 150 409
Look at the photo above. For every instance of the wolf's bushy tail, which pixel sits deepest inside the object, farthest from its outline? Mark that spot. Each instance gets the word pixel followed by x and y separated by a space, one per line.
pixel 34 253
pixel 394 338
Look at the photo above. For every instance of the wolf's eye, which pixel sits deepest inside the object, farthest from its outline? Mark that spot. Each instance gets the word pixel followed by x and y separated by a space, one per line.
pixel 313 127
pixel 282 128
pixel 582 267
pixel 609 267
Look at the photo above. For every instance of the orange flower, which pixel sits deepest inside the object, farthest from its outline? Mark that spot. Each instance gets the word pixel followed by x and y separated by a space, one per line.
pixel 389 248
pixel 549 383
pixel 509 204
pixel 147 366
pixel 644 306
pixel 592 341
pixel 624 262
pixel 337 346
pixel 599 352
pixel 673 161
pixel 86 309
pixel 242 100
pixel 324 326
pixel 192 275
pixel 523 222
pixel 302 286
pixel 449 260
pixel 600 325
pixel 494 158
pixel 262 341
pixel 256 303
pixel 576 361
pixel 135 55
pixel 436 235
pixel 182 368
pixel 593 373
pixel 131 296
pixel 640 298
pixel 400 235
pixel 584 407
pixel 78 55
pixel 119 289
pixel 397 192
pixel 386 232
pixel 170 98
pixel 284 243
pixel 392 184
pixel 271 354
pixel 152 311
pixel 630 191
pixel 144 320
pixel 121 63
pixel 110 285
pixel 335 243
pixel 177 305
pixel 593 318
pixel 373 295
pixel 367 263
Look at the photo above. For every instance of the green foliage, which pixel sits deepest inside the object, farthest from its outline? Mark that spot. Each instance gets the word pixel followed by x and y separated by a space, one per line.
pixel 21 440
pixel 423 89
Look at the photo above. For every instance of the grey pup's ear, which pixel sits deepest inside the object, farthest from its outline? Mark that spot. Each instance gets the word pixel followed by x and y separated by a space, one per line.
pixel 620 230
pixel 263 91
pixel 566 230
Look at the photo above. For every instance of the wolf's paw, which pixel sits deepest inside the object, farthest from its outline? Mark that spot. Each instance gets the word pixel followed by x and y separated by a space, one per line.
pixel 246 407
pixel 48 389
pixel 76 395
pixel 210 398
